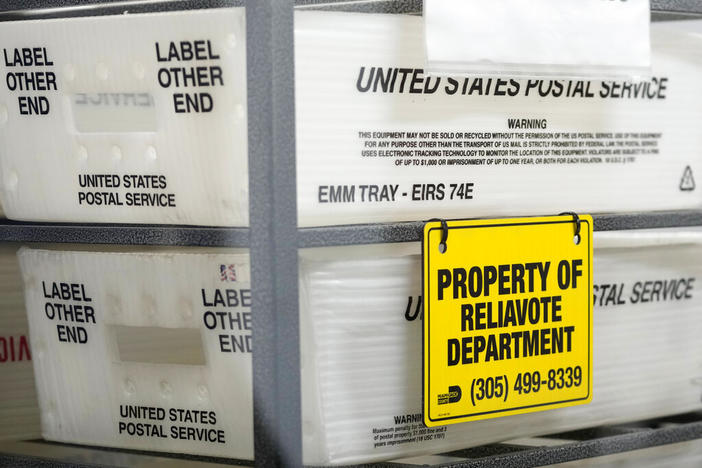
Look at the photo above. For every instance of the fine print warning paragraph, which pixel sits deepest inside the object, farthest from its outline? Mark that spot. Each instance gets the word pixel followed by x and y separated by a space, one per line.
pixel 506 148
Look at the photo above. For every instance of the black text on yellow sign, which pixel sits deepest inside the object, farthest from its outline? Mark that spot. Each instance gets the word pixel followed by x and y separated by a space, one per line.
pixel 508 317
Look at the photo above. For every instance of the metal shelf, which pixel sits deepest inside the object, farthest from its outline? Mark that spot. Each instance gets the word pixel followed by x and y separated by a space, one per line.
pixel 39 9
pixel 39 453
pixel 125 234
pixel 412 231
pixel 540 451
pixel 274 239
pixel 134 234
pixel 677 6
pixel 667 7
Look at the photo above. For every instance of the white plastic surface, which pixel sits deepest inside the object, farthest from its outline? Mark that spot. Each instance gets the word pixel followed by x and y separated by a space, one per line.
pixel 85 384
pixel 155 102
pixel 19 410
pixel 366 354
pixel 370 122
pixel 581 38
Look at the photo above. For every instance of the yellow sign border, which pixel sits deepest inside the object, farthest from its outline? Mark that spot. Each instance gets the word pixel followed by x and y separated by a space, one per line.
pixel 491 223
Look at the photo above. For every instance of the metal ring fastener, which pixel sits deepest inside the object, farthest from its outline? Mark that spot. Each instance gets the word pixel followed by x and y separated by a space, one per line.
pixel 576 220
pixel 444 230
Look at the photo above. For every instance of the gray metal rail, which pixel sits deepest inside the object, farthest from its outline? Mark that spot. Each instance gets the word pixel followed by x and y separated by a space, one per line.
pixel 563 447
pixel 411 231
pixel 273 207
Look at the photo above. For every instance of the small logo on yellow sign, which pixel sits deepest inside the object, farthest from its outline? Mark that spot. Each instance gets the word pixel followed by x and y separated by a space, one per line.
pixel 453 396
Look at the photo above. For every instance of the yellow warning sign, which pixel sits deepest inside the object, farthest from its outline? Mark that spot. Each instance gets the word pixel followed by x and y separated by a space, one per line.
pixel 508 316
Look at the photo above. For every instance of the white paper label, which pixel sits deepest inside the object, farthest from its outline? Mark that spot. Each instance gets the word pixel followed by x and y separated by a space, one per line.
pixel 542 37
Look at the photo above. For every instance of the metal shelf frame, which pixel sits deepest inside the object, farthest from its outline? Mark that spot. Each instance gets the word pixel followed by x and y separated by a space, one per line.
pixel 355 234
pixel 274 237
pixel 523 453
pixel 309 237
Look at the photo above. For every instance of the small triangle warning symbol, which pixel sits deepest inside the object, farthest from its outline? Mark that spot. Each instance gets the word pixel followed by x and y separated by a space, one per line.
pixel 687 183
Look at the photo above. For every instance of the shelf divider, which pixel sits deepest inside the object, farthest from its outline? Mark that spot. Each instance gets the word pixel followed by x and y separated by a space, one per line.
pixel 273 233
pixel 411 231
